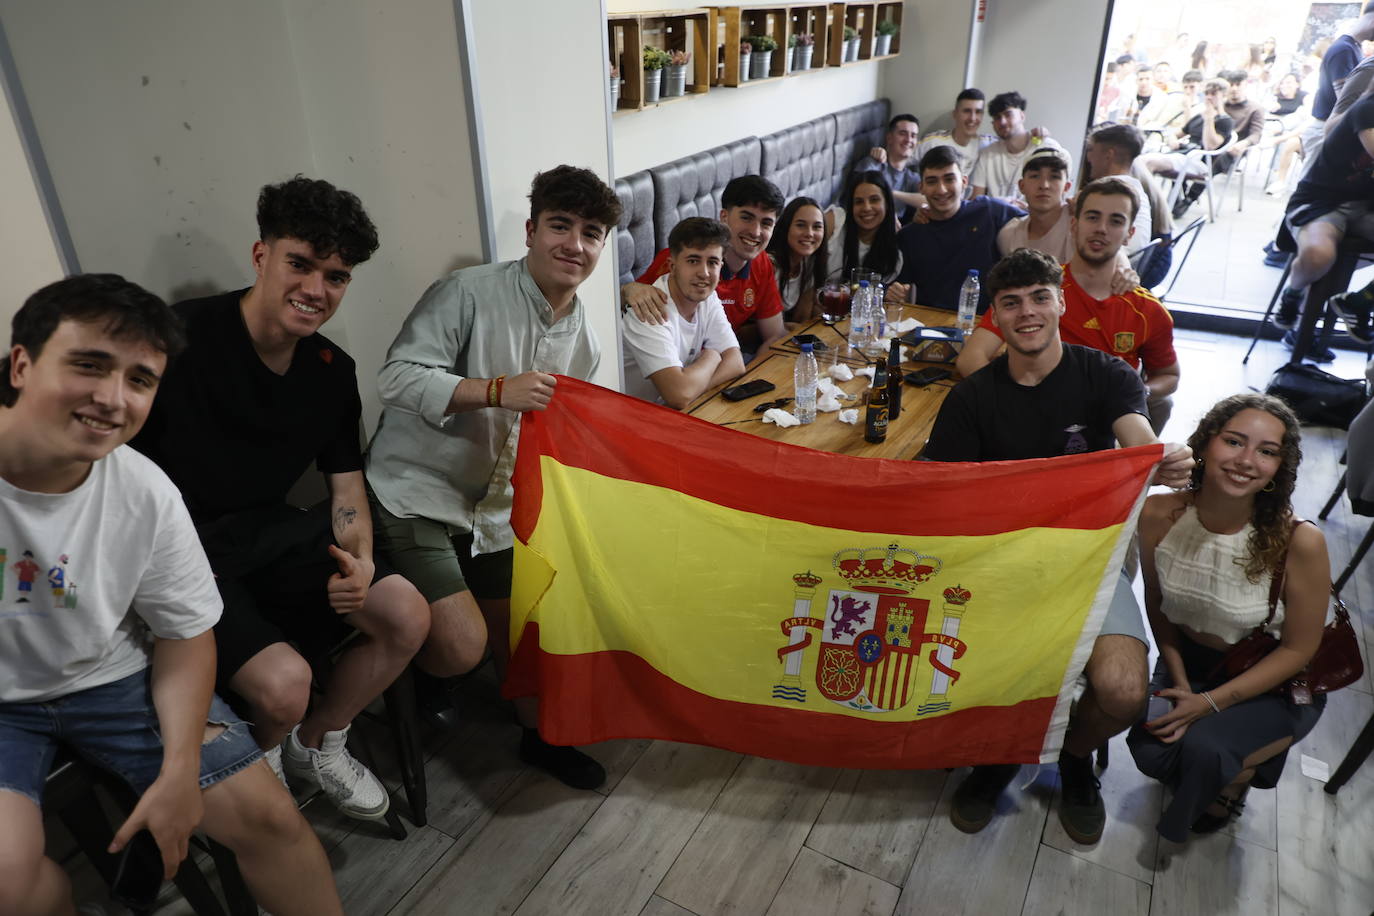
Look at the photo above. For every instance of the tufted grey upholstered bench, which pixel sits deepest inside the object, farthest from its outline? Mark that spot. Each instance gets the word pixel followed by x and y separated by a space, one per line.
pixel 635 241
pixel 800 160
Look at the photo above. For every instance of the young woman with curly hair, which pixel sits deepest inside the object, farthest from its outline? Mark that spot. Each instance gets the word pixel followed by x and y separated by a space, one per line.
pixel 1208 556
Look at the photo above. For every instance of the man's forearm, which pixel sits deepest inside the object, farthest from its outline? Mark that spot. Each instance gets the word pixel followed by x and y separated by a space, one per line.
pixel 349 514
pixel 182 683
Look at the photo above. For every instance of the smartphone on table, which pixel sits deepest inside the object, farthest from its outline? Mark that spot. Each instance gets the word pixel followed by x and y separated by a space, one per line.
pixel 750 389
pixel 923 377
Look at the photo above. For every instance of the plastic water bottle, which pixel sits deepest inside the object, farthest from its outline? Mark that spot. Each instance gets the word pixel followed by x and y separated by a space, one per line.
pixel 804 377
pixel 879 313
pixel 861 318
pixel 968 303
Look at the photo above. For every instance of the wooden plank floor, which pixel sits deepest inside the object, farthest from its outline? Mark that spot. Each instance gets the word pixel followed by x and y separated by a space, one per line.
pixel 690 831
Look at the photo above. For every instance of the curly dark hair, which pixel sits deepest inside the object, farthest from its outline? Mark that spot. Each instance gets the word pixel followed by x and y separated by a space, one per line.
pixel 314 211
pixel 577 191
pixel 1273 513
pixel 1023 267
pixel 128 310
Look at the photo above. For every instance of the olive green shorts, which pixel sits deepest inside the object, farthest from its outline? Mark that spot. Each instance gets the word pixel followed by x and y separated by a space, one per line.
pixel 437 558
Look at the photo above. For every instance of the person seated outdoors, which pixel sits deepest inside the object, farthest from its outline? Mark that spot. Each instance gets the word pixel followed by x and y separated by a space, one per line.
pixel 1111 153
pixel 480 348
pixel 963 136
pixel 955 236
pixel 748 289
pixel 675 362
pixel 1108 95
pixel 896 161
pixel 258 396
pixel 1292 106
pixel 1040 399
pixel 1209 557
pixel 1246 115
pixel 1163 73
pixel 999 164
pixel 800 259
pixel 1153 108
pixel 1210 129
pixel 1333 201
pixel 863 232
pixel 122 673
pixel 1099 313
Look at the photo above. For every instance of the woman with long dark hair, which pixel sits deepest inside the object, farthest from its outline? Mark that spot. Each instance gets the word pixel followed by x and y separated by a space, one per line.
pixel 1199 61
pixel 863 228
pixel 798 250
pixel 1209 557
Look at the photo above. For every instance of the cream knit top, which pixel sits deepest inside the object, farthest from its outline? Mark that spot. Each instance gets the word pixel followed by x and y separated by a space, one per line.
pixel 1202 577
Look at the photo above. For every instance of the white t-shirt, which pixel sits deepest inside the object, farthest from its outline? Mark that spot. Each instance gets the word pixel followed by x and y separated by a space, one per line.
pixel 650 348
pixel 1057 243
pixel 1143 217
pixel 998 170
pixel 834 268
pixel 89 573
pixel 968 152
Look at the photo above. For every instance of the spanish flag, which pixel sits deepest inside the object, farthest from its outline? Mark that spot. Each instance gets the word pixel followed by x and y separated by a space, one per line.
pixel 680 580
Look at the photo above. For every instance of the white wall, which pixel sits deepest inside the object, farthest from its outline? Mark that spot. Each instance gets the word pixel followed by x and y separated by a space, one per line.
pixel 543 103
pixel 924 79
pixel 30 259
pixel 1056 77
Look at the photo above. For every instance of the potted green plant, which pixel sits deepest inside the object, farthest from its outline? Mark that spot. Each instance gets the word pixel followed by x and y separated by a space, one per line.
pixel 614 77
pixel 655 59
pixel 746 50
pixel 882 44
pixel 761 63
pixel 801 54
pixel 851 43
pixel 675 74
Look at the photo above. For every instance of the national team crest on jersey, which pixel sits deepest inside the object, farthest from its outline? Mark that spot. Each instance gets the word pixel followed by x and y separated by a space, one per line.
pixel 1124 341
pixel 749 296
pixel 873 629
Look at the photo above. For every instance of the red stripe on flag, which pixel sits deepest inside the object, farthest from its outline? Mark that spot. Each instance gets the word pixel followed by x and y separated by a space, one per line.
pixel 597 429
pixel 601 696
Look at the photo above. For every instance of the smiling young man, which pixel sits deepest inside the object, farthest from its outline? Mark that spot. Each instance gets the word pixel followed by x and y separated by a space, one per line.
pixel 959 235
pixel 480 348
pixel 963 136
pixel 748 288
pixel 1129 323
pixel 696 349
pixel 259 396
pixel 895 160
pixel 1044 186
pixel 1040 399
pixel 999 165
pixel 118 664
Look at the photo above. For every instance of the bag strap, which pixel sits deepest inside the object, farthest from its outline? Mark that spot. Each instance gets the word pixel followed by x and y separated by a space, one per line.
pixel 1280 576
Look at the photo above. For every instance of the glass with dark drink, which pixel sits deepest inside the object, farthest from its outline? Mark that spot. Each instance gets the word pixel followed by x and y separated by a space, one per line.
pixel 834 302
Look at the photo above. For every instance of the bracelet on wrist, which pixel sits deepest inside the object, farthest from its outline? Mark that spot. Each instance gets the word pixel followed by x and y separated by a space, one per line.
pixel 500 389
pixel 1210 702
pixel 491 393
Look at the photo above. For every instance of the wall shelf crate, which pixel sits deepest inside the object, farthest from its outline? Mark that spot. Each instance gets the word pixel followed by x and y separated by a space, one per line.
pixel 626 46
pixel 861 17
pixel 888 12
pixel 813 21
pixel 734 25
pixel 686 30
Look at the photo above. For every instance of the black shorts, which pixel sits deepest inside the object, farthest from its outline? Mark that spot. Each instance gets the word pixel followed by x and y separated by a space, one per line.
pixel 273 567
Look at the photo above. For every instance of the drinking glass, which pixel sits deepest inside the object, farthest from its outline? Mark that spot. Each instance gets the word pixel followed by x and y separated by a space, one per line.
pixel 834 298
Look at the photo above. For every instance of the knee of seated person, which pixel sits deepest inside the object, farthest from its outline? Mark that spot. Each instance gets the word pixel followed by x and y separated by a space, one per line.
pixel 17 887
pixel 278 693
pixel 263 817
pixel 397 613
pixel 1121 696
pixel 451 656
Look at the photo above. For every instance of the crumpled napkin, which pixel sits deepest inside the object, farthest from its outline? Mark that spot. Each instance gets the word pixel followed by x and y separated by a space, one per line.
pixel 826 403
pixel 897 329
pixel 849 416
pixel 841 373
pixel 781 417
pixel 866 372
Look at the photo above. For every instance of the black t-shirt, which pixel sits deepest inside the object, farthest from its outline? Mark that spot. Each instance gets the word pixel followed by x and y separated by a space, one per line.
pixel 1342 57
pixel 1221 123
pixel 989 417
pixel 234 435
pixel 1342 172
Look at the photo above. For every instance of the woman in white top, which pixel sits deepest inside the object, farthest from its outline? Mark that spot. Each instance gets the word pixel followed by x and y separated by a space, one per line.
pixel 799 259
pixel 862 229
pixel 1208 557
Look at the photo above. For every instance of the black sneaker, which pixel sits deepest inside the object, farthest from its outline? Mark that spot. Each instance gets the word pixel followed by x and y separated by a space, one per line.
pixel 1080 806
pixel 1290 305
pixel 1318 353
pixel 976 798
pixel 566 764
pixel 1354 309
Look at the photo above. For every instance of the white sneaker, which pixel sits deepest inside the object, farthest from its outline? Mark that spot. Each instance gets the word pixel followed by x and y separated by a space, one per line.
pixel 273 758
pixel 347 783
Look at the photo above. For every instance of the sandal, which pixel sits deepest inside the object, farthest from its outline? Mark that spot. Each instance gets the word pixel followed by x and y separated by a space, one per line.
pixel 1211 823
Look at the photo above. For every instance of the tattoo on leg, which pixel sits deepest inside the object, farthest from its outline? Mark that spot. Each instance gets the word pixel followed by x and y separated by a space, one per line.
pixel 343 517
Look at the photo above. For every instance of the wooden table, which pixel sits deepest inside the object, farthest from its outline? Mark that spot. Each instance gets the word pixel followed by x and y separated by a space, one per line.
pixel 906 435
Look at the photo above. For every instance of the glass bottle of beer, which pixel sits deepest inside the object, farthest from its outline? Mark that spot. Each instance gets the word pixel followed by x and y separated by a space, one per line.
pixel 894 380
pixel 875 422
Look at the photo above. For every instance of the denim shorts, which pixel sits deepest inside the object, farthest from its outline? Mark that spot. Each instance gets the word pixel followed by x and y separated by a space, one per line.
pixel 113 726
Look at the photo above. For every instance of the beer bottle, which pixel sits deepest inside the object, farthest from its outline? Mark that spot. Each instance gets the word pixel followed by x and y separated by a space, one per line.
pixel 875 422
pixel 894 380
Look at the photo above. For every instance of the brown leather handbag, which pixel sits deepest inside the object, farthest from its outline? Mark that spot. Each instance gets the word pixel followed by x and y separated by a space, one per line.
pixel 1334 665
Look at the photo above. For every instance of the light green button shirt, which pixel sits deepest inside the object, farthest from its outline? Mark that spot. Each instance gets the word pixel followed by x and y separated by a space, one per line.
pixel 479 322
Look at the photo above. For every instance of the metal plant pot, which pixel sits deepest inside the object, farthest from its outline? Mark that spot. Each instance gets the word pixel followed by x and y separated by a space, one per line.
pixel 675 82
pixel 652 81
pixel 802 55
pixel 851 49
pixel 744 67
pixel 882 45
pixel 615 92
pixel 761 64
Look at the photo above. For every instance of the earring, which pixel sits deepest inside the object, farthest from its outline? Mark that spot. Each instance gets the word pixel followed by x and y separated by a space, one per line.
pixel 1269 487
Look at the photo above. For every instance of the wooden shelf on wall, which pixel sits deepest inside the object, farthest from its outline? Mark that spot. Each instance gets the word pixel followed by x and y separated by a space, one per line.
pixel 688 30
pixel 625 43
pixel 734 24
pixel 813 20
pixel 861 17
pixel 888 12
